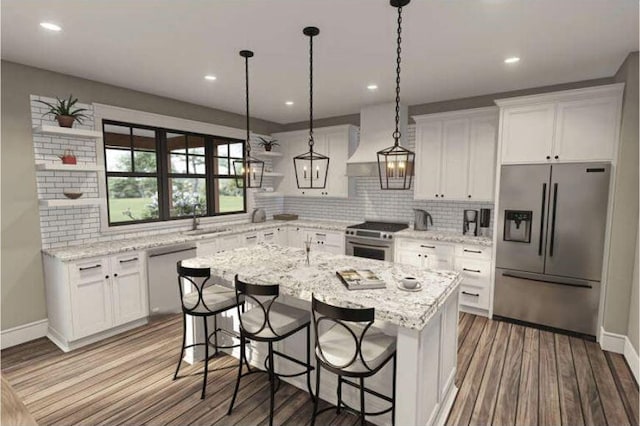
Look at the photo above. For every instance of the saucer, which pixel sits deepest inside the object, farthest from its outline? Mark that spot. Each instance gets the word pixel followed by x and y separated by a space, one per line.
pixel 403 288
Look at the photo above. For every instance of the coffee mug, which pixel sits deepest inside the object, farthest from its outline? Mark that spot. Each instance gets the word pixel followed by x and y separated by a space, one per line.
pixel 409 282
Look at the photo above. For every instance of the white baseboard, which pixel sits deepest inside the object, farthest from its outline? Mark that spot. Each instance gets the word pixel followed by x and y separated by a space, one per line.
pixel 621 344
pixel 23 333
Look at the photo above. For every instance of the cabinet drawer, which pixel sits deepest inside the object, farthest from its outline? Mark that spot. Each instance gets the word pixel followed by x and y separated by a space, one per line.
pixel 89 270
pixel 474 272
pixel 126 262
pixel 476 297
pixel 473 252
pixel 429 247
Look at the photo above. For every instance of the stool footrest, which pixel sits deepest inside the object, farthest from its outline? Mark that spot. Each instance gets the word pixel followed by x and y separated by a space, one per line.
pixel 369 391
pixel 287 357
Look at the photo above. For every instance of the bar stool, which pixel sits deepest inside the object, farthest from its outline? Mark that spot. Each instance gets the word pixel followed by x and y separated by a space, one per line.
pixel 204 301
pixel 351 347
pixel 270 322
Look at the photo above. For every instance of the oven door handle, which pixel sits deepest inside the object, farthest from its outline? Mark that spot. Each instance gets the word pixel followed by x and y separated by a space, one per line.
pixel 367 245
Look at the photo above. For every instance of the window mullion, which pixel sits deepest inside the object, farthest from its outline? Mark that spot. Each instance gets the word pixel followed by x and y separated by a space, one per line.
pixel 163 173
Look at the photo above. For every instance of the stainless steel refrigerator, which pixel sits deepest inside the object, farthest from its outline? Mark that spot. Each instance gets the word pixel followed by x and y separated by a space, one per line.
pixel 551 230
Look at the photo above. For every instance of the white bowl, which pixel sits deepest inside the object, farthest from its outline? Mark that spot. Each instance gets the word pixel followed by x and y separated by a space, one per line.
pixel 409 282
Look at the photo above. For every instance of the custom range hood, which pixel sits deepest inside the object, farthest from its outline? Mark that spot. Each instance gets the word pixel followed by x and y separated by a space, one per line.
pixel 377 125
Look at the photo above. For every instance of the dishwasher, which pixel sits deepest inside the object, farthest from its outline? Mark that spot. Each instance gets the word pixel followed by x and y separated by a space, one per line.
pixel 164 295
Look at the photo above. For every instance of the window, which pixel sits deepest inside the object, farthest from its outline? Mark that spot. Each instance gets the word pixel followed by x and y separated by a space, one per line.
pixel 155 174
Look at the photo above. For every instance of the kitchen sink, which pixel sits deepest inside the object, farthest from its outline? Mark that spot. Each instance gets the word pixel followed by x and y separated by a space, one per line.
pixel 205 231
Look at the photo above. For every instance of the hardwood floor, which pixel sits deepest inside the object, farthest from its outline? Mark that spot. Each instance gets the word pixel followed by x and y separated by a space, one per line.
pixel 507 374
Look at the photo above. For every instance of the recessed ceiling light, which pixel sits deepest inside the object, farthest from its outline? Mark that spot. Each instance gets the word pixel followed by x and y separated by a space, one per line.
pixel 210 77
pixel 512 60
pixel 289 103
pixel 372 87
pixel 51 27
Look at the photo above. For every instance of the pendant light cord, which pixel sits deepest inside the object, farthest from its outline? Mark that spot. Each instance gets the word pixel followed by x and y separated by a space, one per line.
pixel 246 73
pixel 311 94
pixel 396 133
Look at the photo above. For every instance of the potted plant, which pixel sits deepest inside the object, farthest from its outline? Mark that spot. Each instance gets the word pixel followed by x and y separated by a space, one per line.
pixel 268 143
pixel 64 111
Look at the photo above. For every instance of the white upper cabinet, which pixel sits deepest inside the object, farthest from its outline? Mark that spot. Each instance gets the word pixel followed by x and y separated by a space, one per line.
pixel 334 142
pixel 456 154
pixel 573 125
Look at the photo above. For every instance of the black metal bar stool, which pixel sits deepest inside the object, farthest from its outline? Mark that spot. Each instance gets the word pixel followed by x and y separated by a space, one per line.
pixel 270 321
pixel 351 347
pixel 205 301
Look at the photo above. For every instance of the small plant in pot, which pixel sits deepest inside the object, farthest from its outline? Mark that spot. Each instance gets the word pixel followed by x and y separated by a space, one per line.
pixel 64 111
pixel 267 143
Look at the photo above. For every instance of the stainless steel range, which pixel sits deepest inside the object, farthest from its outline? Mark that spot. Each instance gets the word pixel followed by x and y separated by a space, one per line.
pixel 373 240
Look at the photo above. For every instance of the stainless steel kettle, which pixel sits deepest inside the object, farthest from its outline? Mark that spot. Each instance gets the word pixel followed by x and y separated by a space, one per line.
pixel 420 220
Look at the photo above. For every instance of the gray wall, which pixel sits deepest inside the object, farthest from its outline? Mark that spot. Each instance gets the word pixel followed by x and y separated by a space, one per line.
pixel 624 229
pixel 452 105
pixel 22 293
pixel 634 319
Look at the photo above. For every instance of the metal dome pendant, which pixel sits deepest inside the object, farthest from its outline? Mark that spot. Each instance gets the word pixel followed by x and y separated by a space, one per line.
pixel 311 168
pixel 396 164
pixel 249 170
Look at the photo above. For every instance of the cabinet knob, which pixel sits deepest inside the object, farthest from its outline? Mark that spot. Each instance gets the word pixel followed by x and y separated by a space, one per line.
pixel 436 195
pixel 419 255
pixel 106 277
pixel 469 196
pixel 548 157
pixel 556 157
pixel 115 275
pixel 441 195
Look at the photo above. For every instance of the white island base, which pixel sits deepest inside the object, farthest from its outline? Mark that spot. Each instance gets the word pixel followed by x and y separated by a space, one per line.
pixel 426 343
pixel 426 369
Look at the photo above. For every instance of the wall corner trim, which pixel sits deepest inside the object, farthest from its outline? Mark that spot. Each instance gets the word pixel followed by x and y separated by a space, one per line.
pixel 621 344
pixel 23 333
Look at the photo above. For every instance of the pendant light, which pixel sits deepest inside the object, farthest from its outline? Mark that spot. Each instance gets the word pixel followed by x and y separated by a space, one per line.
pixel 395 164
pixel 311 168
pixel 249 170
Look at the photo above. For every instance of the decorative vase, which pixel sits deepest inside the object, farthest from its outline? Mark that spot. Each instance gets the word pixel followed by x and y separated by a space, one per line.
pixel 67 157
pixel 65 120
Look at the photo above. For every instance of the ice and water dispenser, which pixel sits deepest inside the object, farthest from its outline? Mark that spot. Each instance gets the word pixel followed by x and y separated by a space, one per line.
pixel 517 225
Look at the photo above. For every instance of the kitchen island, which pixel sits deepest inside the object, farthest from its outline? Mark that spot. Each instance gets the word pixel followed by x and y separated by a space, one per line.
pixel 425 322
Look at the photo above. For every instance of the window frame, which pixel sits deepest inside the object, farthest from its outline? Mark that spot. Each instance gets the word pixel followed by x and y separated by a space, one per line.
pixel 163 173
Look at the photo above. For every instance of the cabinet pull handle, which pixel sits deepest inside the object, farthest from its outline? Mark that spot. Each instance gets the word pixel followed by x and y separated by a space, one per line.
pixel 321 235
pixel 269 234
pixel 251 237
pixel 133 259
pixel 477 271
pixel 471 294
pixel 429 247
pixel 86 268
pixel 472 251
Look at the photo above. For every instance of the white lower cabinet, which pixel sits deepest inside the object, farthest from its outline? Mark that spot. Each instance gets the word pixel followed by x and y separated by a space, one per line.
pixel 326 241
pixel 473 262
pixel 94 297
pixel 295 237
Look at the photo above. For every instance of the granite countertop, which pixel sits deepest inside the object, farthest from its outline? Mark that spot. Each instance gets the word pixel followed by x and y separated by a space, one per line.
pixel 446 236
pixel 273 264
pixel 180 237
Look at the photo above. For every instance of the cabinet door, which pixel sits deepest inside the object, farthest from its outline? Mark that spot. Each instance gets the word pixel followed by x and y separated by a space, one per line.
pixel 270 236
pixel 409 257
pixel 586 130
pixel 455 160
pixel 295 237
pixel 229 242
pixel 428 155
pixel 482 159
pixel 282 236
pixel 527 133
pixel 206 248
pixel 129 289
pixel 338 149
pixel 90 297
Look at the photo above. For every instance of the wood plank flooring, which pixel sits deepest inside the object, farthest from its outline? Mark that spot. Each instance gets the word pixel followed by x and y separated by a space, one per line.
pixel 507 375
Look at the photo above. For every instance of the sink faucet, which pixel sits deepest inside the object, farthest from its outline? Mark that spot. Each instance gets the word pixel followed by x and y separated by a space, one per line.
pixel 196 220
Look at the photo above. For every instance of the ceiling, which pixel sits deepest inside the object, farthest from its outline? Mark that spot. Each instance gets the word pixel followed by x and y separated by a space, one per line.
pixel 451 49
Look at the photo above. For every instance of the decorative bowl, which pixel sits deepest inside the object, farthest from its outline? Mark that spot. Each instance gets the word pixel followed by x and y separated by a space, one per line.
pixel 72 195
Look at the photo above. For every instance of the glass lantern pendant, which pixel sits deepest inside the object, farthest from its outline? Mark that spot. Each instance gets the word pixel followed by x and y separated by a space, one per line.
pixel 311 168
pixel 249 170
pixel 396 164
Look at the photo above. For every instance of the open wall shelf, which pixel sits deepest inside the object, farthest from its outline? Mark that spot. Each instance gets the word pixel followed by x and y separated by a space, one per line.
pixel 66 132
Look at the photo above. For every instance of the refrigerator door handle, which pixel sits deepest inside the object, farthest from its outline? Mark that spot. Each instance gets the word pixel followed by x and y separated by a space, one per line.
pixel 572 282
pixel 544 202
pixel 553 219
